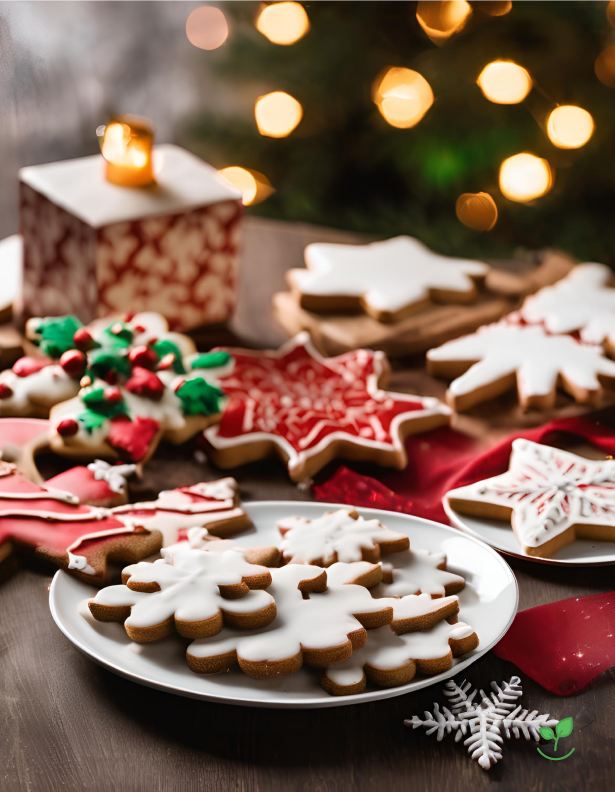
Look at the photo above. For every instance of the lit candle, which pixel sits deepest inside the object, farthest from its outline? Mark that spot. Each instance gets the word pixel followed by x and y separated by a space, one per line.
pixel 126 145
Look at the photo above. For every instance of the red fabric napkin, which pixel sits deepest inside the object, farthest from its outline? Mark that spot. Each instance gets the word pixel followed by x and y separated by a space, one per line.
pixel 565 644
pixel 441 460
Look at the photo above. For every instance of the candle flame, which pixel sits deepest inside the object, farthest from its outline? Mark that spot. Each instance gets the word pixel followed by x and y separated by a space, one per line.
pixel 127 148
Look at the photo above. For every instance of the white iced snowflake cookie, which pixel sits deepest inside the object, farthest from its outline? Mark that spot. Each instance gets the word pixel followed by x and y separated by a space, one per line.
pixel 418 571
pixel 388 280
pixel 342 535
pixel 550 496
pixel 583 301
pixel 498 356
pixel 190 591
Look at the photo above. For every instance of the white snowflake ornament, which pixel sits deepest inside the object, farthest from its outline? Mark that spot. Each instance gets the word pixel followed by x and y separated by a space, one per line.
pixel 483 718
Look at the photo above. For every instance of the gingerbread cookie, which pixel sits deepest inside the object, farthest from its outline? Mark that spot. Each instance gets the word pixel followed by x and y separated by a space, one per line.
pixel 418 572
pixel 201 539
pixel 498 356
pixel 583 301
pixel 341 535
pixel 213 505
pixel 21 439
pixel 315 625
pixel 97 484
pixel 56 526
pixel 189 591
pixel 309 410
pixel 388 280
pixel 550 496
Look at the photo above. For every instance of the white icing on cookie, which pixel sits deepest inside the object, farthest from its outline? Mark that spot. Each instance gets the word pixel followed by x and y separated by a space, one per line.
pixel 415 571
pixel 581 301
pixel 189 583
pixel 322 621
pixel 44 388
pixel 8 510
pixel 389 275
pixel 549 491
pixel 81 562
pixel 114 475
pixel 387 651
pixel 334 536
pixel 538 359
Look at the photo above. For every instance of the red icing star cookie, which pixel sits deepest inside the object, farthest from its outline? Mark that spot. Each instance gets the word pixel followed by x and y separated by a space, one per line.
pixel 309 409
pixel 55 525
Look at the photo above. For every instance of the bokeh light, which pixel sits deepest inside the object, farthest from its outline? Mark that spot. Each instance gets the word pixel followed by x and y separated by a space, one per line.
pixel 253 185
pixel 525 177
pixel 126 145
pixel 277 114
pixel 283 23
pixel 570 127
pixel 610 13
pixel 604 66
pixel 495 7
pixel 403 97
pixel 440 20
pixel 504 82
pixel 207 28
pixel 477 211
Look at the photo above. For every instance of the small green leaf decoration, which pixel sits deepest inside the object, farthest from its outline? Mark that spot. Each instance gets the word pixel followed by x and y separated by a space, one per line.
pixel 164 347
pixel 547 733
pixel 564 727
pixel 198 397
pixel 98 408
pixel 102 361
pixel 116 340
pixel 210 360
pixel 56 335
pixel 91 420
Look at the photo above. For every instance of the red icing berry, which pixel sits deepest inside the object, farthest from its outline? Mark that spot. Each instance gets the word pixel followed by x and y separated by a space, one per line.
pixel 30 365
pixel 132 438
pixel 145 383
pixel 73 362
pixel 139 328
pixel 67 428
pixel 166 362
pixel 82 339
pixel 113 395
pixel 129 316
pixel 5 391
pixel 111 377
pixel 144 357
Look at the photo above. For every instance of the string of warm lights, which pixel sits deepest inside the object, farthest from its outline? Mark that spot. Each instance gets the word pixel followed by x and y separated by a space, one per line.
pixel 403 96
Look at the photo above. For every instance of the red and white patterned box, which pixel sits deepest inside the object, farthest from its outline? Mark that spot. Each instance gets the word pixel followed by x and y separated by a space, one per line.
pixel 91 248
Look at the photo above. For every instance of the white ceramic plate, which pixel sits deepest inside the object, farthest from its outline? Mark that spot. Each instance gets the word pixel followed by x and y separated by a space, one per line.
pixel 499 534
pixel 488 602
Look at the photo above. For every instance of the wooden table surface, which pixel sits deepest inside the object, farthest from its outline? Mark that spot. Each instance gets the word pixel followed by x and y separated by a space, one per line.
pixel 68 724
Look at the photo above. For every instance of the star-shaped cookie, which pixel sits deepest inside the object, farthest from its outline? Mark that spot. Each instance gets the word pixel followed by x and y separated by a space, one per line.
pixel 550 496
pixel 309 410
pixel 388 280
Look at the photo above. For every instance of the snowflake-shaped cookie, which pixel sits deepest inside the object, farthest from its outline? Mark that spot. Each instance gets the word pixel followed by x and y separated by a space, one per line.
pixel 310 409
pixel 191 591
pixel 551 497
pixel 483 721
pixel 342 535
pixel 499 355
pixel 581 301
pixel 388 280
pixel 418 571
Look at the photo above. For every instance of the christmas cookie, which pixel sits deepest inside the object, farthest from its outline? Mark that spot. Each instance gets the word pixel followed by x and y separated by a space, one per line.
pixel 388 280
pixel 190 591
pixel 21 439
pixel 213 505
pixel 201 539
pixel 341 535
pixel 309 410
pixel 315 625
pixel 418 572
pixel 583 301
pixel 97 484
pixel 498 356
pixel 56 526
pixel 550 496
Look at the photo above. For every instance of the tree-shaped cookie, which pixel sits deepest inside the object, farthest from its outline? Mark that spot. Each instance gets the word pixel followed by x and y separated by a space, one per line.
pixel 53 524
pixel 583 301
pixel 498 356
pixel 308 410
pixel 417 571
pixel 213 505
pixel 342 535
pixel 191 591
pixel 550 496
pixel 315 625
pixel 388 280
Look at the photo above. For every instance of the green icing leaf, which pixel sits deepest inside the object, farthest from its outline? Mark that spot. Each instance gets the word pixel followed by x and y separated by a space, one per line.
pixel 102 361
pixel 98 409
pixel 198 397
pixel 56 334
pixel 91 420
pixel 119 340
pixel 210 360
pixel 164 347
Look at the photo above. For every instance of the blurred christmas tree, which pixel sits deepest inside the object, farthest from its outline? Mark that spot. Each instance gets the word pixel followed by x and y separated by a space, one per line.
pixel 347 164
